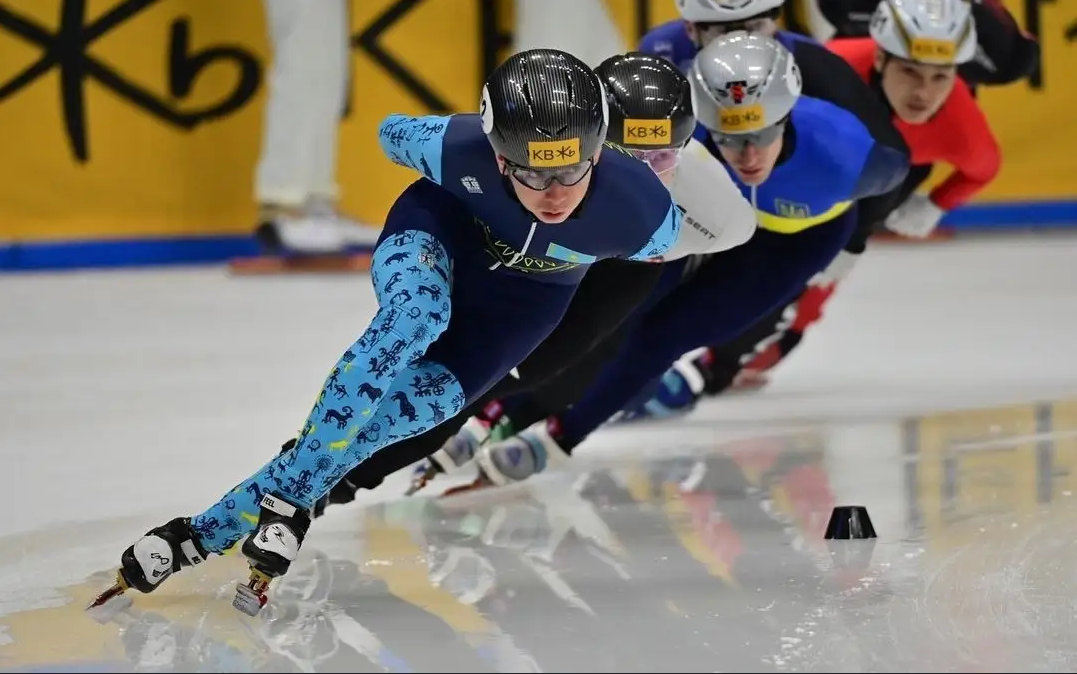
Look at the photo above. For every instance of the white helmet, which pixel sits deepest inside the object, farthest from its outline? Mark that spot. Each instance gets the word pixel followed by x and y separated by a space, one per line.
pixel 724 11
pixel 937 32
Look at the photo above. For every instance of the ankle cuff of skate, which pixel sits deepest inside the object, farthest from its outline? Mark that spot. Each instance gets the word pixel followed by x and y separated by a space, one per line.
pixel 695 379
pixel 548 452
pixel 473 434
pixel 192 552
pixel 298 516
pixel 191 547
pixel 443 462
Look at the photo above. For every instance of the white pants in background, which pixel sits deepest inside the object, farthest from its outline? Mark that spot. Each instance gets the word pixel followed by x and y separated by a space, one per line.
pixel 307 85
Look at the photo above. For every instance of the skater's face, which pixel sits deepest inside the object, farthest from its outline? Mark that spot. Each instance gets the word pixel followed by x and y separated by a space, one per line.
pixel 915 91
pixel 752 156
pixel 551 196
pixel 701 34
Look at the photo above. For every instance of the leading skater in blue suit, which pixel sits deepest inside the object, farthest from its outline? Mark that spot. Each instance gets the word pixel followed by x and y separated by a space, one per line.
pixel 513 205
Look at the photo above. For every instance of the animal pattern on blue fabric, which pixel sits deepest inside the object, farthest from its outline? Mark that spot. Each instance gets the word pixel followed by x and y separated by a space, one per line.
pixel 380 391
pixel 423 396
pixel 415 142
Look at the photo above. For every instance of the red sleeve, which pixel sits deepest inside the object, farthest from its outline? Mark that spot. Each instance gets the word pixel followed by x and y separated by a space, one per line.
pixel 858 52
pixel 970 147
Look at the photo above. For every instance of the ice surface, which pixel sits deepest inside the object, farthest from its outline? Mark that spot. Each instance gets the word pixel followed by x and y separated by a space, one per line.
pixel 940 392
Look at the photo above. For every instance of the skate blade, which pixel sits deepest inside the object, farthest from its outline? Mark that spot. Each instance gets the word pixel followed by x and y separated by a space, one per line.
pixel 749 382
pixel 421 480
pixel 251 597
pixel 481 482
pixel 111 603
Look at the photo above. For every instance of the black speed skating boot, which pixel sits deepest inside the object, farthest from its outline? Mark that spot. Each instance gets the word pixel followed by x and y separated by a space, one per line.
pixel 160 553
pixel 271 549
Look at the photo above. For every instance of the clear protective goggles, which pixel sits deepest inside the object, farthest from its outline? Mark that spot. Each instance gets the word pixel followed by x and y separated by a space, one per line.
pixel 660 159
pixel 541 179
pixel 739 141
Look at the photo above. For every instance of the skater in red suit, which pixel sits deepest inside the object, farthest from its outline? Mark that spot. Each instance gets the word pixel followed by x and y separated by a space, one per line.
pixel 1006 53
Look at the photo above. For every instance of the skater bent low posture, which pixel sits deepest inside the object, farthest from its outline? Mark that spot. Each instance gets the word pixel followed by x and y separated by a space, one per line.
pixel 912 61
pixel 651 116
pixel 513 206
pixel 805 164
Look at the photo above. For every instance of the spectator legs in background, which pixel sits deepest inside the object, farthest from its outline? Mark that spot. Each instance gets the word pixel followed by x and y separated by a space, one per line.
pixel 307 82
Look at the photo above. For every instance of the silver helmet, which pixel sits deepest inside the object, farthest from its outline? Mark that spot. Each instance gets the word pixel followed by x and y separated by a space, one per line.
pixel 724 11
pixel 939 32
pixel 743 83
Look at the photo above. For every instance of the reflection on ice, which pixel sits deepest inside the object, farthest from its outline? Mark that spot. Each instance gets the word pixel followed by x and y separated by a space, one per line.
pixel 709 558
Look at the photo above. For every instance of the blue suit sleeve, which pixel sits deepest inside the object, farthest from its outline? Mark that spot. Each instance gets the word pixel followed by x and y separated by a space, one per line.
pixel 415 142
pixel 648 45
pixel 885 168
pixel 663 238
pixel 669 41
pixel 878 192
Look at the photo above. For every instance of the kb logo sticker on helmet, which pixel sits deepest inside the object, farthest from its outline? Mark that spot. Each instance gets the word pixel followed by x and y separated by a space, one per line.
pixel 929 50
pixel 647 131
pixel 741 120
pixel 553 153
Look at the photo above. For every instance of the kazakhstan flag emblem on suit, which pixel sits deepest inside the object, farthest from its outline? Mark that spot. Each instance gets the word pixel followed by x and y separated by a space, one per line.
pixel 559 252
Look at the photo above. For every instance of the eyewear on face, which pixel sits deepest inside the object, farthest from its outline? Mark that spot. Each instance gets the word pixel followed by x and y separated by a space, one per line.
pixel 660 160
pixel 541 179
pixel 739 141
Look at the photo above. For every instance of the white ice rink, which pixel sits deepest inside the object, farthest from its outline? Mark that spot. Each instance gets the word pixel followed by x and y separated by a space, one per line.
pixel 127 398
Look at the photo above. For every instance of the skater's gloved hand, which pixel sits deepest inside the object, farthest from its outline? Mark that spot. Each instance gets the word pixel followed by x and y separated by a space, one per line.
pixel 837 271
pixel 916 218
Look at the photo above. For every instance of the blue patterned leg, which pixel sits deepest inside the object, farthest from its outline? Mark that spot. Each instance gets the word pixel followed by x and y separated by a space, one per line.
pixel 411 280
pixel 424 395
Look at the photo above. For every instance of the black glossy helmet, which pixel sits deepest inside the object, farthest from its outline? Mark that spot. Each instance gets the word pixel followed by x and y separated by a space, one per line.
pixel 544 109
pixel 650 102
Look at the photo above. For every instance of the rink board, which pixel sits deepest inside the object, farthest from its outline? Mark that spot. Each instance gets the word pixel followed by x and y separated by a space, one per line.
pixel 233 249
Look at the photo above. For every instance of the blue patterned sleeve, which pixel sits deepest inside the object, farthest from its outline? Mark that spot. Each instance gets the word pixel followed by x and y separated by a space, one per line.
pixel 664 237
pixel 415 142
